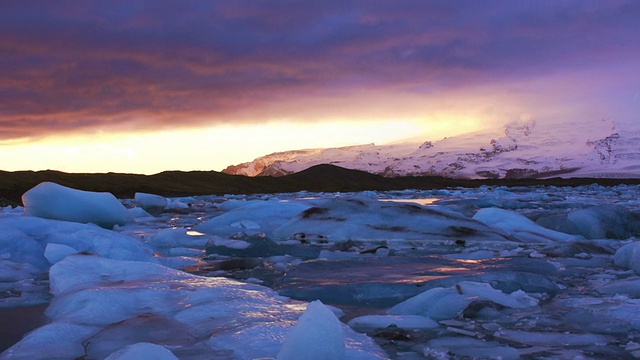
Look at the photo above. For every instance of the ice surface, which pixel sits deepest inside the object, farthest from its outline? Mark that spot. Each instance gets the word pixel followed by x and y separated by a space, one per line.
pixel 360 218
pixel 551 338
pixel 56 252
pixel 446 303
pixel 519 226
pixel 58 340
pixel 176 205
pixel 469 347
pixel 93 295
pixel 252 217
pixel 407 322
pixel 142 351
pixel 170 238
pixel 138 213
pixel 18 247
pixel 317 335
pixel 548 294
pixel 81 237
pixel 602 222
pixel 150 202
pixel 52 201
pixel 628 256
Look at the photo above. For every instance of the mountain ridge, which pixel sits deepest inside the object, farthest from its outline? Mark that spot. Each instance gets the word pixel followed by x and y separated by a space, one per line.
pixel 522 149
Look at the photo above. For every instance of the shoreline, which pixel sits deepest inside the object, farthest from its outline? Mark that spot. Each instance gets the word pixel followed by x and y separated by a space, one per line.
pixel 320 178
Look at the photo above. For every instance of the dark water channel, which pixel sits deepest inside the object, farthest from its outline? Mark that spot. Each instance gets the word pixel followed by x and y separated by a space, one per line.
pixel 16 322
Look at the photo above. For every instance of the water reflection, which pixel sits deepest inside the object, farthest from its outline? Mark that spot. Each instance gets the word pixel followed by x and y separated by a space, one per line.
pixel 371 281
pixel 420 201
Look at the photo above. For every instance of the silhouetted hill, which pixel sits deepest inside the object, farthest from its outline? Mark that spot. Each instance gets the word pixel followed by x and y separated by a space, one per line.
pixel 325 177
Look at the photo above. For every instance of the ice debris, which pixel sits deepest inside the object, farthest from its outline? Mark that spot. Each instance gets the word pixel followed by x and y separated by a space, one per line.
pixel 447 303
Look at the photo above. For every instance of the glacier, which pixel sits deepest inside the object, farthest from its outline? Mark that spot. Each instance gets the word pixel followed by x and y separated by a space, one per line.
pixel 492 272
pixel 519 149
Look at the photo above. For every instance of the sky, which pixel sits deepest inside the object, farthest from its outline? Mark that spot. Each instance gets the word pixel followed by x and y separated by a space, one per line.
pixel 146 86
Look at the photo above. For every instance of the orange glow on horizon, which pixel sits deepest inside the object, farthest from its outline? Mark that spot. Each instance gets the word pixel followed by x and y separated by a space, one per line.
pixel 205 148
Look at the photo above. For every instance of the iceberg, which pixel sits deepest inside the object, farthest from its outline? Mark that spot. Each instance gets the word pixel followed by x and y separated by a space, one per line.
pixel 52 201
pixel 362 218
pixel 317 335
pixel 154 204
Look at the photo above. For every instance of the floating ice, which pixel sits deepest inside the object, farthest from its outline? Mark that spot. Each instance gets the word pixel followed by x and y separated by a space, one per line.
pixel 587 306
pixel 169 238
pixel 57 340
pixel 82 237
pixel 447 303
pixel 317 335
pixel 252 217
pixel 407 322
pixel 176 205
pixel 469 347
pixel 601 222
pixel 629 286
pixel 11 271
pixel 18 247
pixel 52 201
pixel 519 226
pixel 605 222
pixel 229 243
pixel 139 213
pixel 551 338
pixel 628 256
pixel 142 351
pixel 56 252
pixel 361 218
pixel 94 296
pixel 607 315
pixel 150 202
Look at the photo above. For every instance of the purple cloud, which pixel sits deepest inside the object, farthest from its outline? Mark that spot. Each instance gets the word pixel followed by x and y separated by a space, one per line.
pixel 75 65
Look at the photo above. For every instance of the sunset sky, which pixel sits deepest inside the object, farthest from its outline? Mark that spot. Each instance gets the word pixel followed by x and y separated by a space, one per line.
pixel 146 86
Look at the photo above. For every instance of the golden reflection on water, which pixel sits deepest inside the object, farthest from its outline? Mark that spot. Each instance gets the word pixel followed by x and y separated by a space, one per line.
pixel 422 201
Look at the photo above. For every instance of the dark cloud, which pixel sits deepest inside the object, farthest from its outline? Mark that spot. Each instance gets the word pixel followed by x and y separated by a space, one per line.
pixel 82 64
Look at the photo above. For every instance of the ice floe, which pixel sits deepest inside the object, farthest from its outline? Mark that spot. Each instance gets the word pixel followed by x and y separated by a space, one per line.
pixel 493 272
pixel 241 320
pixel 362 218
pixel 52 201
pixel 446 303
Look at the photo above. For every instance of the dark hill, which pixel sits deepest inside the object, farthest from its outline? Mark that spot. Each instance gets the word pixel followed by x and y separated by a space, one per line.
pixel 325 177
pixel 328 178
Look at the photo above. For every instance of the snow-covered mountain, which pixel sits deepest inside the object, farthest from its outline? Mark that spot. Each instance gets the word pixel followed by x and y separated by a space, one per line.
pixel 523 149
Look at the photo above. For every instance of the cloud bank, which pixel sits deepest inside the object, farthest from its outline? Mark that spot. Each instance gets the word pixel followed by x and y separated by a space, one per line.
pixel 77 66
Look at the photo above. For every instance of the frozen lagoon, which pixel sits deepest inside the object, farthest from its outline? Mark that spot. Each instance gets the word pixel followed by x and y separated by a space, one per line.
pixel 491 272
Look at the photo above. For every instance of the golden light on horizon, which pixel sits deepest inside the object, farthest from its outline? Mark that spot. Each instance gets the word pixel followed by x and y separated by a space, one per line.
pixel 209 148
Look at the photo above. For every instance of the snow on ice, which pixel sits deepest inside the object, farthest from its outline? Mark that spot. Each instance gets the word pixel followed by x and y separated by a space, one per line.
pixel 529 272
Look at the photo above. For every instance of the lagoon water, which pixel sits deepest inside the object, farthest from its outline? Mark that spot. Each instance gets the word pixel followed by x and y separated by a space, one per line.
pixel 530 272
